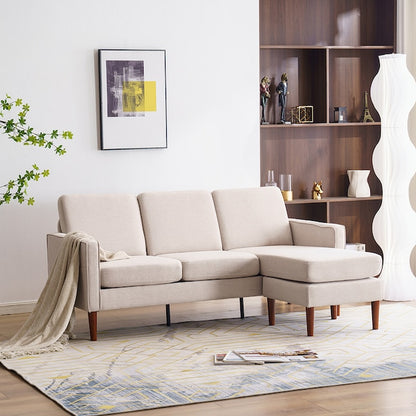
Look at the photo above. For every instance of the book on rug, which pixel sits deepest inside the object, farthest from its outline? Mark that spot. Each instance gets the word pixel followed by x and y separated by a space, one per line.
pixel 263 357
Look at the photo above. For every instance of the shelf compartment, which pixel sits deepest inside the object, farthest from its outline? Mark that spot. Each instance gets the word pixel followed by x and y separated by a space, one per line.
pixel 351 73
pixel 315 154
pixel 306 70
pixel 331 22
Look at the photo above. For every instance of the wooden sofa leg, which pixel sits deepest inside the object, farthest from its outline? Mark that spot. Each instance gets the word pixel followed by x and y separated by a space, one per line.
pixel 334 311
pixel 310 316
pixel 242 308
pixel 375 313
pixel 271 311
pixel 92 321
pixel 168 315
pixel 338 310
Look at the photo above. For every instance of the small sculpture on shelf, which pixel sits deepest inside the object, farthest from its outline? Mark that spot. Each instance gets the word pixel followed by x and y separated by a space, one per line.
pixel 264 97
pixel 366 117
pixel 283 92
pixel 340 114
pixel 301 114
pixel 317 190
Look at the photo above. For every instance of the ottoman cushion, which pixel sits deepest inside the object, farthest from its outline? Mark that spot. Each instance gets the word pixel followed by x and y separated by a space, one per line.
pixel 315 264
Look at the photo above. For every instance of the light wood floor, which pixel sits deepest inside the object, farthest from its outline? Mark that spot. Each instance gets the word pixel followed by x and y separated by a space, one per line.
pixel 384 398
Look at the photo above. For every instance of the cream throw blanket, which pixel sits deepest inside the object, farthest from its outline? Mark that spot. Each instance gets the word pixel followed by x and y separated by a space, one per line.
pixel 49 326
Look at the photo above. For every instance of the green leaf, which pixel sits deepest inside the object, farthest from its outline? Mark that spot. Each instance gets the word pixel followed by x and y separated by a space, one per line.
pixel 31 201
pixel 67 135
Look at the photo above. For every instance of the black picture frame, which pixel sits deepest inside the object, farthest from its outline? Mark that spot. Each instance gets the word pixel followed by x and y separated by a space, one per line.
pixel 133 108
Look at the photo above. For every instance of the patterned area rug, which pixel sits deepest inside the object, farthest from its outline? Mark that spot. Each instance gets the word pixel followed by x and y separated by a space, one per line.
pixel 157 366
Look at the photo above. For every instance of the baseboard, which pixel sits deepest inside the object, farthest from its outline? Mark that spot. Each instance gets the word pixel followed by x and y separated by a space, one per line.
pixel 17 307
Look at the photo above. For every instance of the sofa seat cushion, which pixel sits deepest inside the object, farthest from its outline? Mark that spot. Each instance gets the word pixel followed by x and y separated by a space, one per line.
pixel 208 265
pixel 140 271
pixel 315 264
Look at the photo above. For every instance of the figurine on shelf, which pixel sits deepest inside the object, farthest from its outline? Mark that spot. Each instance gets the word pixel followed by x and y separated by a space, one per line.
pixel 366 117
pixel 264 97
pixel 283 92
pixel 317 190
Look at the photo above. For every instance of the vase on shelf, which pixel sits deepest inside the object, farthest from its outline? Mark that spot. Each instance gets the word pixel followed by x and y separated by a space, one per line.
pixel 285 185
pixel 393 92
pixel 358 187
pixel 270 179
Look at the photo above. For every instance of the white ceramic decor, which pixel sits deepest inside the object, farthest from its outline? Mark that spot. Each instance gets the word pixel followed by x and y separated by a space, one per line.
pixel 358 187
pixel 393 92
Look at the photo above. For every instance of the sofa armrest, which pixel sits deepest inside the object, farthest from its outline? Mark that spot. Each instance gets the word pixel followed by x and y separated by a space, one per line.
pixel 320 234
pixel 88 294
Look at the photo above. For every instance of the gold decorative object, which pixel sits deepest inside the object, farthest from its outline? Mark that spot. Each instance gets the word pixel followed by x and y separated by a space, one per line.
pixel 366 118
pixel 301 114
pixel 317 190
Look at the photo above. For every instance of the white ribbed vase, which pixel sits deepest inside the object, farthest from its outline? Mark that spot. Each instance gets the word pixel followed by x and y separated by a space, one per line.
pixel 393 92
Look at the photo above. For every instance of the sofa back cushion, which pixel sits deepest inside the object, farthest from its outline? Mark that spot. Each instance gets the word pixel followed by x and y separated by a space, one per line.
pixel 252 217
pixel 113 219
pixel 177 222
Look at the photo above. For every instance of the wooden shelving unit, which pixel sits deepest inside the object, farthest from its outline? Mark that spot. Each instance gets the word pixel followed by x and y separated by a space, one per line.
pixel 329 49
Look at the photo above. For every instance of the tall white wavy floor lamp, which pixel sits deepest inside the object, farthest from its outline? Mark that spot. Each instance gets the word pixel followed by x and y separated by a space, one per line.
pixel 393 92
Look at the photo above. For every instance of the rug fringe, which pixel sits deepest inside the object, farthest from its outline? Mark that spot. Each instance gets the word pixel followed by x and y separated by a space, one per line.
pixel 59 345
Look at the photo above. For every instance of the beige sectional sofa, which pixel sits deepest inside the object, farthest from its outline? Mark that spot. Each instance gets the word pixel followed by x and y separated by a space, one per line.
pixel 190 246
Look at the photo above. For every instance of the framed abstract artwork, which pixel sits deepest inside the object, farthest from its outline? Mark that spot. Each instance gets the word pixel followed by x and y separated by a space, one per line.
pixel 132 98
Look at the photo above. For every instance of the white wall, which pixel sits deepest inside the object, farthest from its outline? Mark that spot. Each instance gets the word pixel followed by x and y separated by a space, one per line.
pixel 49 58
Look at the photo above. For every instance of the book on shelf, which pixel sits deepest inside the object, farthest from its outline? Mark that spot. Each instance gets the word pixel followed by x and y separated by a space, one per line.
pixel 264 357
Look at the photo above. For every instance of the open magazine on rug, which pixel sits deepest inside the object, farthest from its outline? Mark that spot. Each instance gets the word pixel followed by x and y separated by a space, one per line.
pixel 263 357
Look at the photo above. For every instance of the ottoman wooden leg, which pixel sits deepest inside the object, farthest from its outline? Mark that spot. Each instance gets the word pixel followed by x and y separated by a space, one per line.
pixel 338 310
pixel 310 314
pixel 92 320
pixel 271 311
pixel 334 311
pixel 375 313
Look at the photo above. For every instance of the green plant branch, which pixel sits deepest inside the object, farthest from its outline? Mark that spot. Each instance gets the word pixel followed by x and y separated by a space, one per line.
pixel 16 129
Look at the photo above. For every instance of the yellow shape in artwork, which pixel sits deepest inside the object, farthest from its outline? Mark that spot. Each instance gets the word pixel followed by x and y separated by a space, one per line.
pixel 139 96
pixel 106 407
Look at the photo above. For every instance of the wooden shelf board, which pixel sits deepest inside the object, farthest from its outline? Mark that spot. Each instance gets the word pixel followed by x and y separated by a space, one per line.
pixel 333 199
pixel 356 123
pixel 332 47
